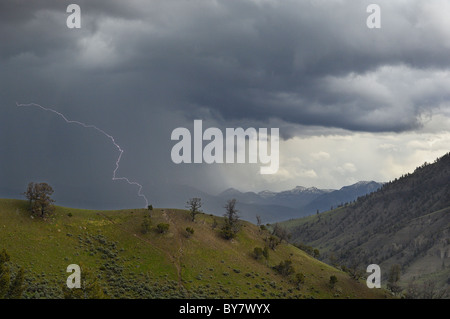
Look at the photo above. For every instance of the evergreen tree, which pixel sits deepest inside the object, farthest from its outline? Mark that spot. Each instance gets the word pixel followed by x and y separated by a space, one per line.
pixel 4 282
pixel 394 277
pixel 257 253
pixel 285 268
pixel 333 281
pixel 145 226
pixel 266 252
pixel 17 285
pixel 231 227
pixel 299 279
pixel 4 274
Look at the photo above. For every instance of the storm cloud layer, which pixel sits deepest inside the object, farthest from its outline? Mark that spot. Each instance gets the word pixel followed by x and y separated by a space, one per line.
pixel 139 69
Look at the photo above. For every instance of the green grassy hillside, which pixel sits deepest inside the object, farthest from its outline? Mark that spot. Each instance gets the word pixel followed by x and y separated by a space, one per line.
pixel 126 263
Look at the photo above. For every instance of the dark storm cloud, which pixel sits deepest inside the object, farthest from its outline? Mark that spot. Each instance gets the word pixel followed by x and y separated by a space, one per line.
pixel 138 69
pixel 249 60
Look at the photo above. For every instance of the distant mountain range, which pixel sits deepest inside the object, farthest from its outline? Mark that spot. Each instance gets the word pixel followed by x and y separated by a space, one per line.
pixel 298 197
pixel 270 206
pixel 339 197
pixel 301 201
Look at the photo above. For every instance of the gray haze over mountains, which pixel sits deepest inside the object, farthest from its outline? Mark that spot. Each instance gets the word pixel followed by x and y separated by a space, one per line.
pixel 272 206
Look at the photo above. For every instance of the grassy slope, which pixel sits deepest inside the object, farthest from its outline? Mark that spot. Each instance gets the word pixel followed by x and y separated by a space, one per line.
pixel 131 264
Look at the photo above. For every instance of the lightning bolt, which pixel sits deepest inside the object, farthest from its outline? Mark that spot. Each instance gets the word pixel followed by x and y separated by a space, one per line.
pixel 68 121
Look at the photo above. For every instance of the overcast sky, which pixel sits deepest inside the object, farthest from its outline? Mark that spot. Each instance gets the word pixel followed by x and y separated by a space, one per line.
pixel 351 103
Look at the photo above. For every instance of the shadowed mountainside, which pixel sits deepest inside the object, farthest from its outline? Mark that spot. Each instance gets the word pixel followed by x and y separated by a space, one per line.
pixel 406 222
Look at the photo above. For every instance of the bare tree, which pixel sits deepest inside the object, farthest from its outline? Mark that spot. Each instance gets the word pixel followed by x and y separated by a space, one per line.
pixel 194 204
pixel 281 232
pixel 258 221
pixel 273 241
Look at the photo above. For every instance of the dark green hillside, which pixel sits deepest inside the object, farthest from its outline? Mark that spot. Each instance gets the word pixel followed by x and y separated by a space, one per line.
pixel 123 262
pixel 406 222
